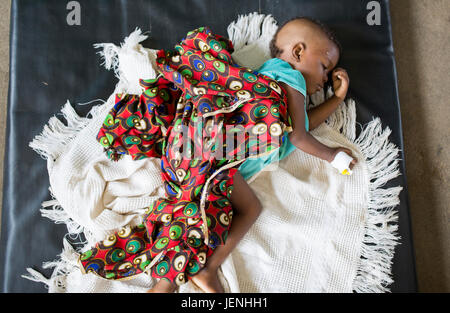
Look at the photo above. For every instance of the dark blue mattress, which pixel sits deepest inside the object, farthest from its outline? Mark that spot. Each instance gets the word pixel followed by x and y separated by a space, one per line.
pixel 52 62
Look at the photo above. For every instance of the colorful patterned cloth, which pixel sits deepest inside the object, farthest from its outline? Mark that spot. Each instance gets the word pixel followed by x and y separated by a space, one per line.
pixel 281 71
pixel 202 116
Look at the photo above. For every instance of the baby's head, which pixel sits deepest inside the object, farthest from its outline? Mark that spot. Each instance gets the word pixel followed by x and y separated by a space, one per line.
pixel 308 46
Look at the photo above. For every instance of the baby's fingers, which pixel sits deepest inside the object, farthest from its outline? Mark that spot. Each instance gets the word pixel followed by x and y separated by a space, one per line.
pixel 344 78
pixel 339 69
pixel 341 74
pixel 354 161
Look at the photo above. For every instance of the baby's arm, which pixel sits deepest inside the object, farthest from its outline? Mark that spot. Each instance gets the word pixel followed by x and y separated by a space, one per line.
pixel 320 113
pixel 299 137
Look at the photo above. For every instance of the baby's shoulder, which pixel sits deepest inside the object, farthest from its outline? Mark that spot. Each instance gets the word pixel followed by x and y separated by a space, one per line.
pixel 275 64
pixel 281 70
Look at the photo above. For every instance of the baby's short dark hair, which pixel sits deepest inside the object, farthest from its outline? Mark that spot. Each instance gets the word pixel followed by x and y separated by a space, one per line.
pixel 276 52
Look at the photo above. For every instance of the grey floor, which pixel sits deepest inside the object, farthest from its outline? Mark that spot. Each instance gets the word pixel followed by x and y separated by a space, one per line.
pixel 421 40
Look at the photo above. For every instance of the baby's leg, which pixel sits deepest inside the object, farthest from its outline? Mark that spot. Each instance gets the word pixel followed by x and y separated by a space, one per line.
pixel 246 209
pixel 163 286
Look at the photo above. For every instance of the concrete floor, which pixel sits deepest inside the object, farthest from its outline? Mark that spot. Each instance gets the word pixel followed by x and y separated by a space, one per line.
pixel 421 40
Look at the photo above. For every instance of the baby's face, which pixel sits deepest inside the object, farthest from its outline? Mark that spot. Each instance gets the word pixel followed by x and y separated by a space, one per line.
pixel 316 61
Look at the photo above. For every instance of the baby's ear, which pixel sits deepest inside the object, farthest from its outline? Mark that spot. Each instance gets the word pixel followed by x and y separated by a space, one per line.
pixel 298 50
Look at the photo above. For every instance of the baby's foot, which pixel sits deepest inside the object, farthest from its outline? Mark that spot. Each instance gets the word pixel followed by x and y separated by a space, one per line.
pixel 163 286
pixel 208 280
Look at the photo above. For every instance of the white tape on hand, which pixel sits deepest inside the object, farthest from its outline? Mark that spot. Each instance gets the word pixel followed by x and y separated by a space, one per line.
pixel 342 162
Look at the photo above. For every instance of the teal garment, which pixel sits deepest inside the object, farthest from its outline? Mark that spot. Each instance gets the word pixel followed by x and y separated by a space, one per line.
pixel 278 70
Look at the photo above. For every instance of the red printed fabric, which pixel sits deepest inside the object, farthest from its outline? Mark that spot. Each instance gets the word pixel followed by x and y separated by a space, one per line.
pixel 202 116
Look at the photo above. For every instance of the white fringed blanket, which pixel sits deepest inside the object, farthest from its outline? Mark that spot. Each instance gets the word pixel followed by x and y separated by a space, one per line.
pixel 319 231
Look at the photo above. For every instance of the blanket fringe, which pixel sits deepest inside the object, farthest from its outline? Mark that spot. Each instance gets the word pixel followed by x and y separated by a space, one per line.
pixel 66 264
pixel 380 235
pixel 34 275
pixel 56 135
pixel 58 215
pixel 110 52
pixel 251 28
pixel 251 35
pixel 130 62
pixel 374 270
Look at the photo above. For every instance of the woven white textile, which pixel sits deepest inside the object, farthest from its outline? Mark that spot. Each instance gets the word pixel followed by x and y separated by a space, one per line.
pixel 315 226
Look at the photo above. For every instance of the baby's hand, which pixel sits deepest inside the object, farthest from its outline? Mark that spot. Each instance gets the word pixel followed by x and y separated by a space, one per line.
pixel 340 82
pixel 349 152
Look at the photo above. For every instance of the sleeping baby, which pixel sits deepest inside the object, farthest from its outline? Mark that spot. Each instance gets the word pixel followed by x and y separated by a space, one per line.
pixel 304 52
pixel 209 206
